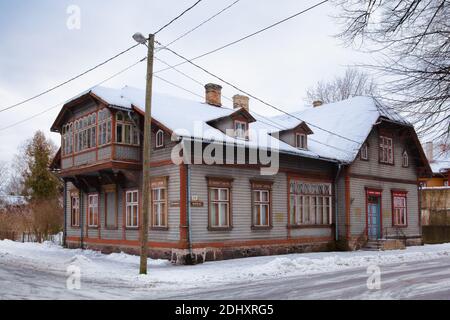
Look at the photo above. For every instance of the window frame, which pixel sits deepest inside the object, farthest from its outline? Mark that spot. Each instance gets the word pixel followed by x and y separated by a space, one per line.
pixel 245 132
pixel 95 208
pixel 131 205
pixel 74 209
pixel 159 144
pixel 261 187
pixel 125 134
pixel 301 202
pixel 364 152
pixel 220 183
pixel 104 127
pixel 389 149
pixel 405 156
pixel 160 183
pixel 399 194
pixel 299 143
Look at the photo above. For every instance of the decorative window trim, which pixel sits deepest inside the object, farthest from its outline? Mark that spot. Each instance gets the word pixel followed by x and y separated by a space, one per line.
pixel 159 183
pixel 364 152
pixel 75 210
pixel 299 143
pixel 384 146
pixel 129 216
pixel 395 220
pixel 159 139
pixel 301 201
pixel 236 130
pixel 405 159
pixel 262 187
pixel 93 211
pixel 220 183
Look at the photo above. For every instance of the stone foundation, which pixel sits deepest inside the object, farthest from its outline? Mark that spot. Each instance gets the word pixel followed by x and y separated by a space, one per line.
pixel 183 256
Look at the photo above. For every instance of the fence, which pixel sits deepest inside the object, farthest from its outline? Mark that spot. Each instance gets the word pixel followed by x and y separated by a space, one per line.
pixel 436 234
pixel 30 237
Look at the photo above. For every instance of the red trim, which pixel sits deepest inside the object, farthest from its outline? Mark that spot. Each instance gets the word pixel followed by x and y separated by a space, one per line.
pixel 377 193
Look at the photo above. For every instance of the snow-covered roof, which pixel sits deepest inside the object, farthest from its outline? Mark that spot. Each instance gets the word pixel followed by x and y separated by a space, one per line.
pixel 339 128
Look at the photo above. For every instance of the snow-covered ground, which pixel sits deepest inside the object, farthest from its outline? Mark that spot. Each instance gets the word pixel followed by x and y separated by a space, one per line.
pixel 40 265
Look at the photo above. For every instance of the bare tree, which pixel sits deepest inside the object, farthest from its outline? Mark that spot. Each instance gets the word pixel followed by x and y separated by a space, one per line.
pixel 3 176
pixel 412 40
pixel 353 83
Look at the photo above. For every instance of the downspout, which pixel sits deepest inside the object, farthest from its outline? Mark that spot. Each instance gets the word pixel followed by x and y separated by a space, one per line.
pixel 336 202
pixel 188 208
pixel 65 214
pixel 80 209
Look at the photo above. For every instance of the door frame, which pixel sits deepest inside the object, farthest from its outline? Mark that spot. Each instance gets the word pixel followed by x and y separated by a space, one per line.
pixel 378 193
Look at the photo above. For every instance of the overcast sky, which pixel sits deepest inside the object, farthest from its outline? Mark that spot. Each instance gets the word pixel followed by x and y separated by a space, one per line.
pixel 38 51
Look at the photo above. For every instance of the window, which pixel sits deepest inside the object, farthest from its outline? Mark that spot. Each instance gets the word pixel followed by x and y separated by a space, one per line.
pixel 160 139
pixel 85 132
pixel 422 184
pixel 104 127
pixel 399 209
pixel 300 141
pixel 240 129
pixel 219 203
pixel 75 210
pixel 310 203
pixel 126 131
pixel 364 152
pixel 93 210
pixel 67 139
pixel 261 196
pixel 405 159
pixel 386 150
pixel 445 183
pixel 132 208
pixel 159 202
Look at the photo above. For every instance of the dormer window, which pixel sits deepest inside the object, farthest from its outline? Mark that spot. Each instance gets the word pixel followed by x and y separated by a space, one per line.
pixel 386 150
pixel 160 139
pixel 364 152
pixel 240 129
pixel 405 159
pixel 300 141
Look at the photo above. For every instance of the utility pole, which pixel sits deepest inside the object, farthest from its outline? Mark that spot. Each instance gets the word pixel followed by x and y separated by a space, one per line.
pixel 147 149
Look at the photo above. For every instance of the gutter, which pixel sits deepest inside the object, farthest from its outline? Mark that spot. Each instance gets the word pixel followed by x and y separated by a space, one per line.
pixel 336 201
pixel 65 214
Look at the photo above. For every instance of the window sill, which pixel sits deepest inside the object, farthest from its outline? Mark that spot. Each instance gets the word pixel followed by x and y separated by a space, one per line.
pixel 262 228
pixel 131 228
pixel 386 163
pixel 399 226
pixel 220 228
pixel 159 228
pixel 93 227
pixel 309 226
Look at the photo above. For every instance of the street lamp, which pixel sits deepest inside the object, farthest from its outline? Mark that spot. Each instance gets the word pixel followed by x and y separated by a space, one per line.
pixel 138 37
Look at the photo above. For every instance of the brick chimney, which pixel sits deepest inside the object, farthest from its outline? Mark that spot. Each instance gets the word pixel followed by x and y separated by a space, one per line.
pixel 213 93
pixel 429 151
pixel 240 101
pixel 317 103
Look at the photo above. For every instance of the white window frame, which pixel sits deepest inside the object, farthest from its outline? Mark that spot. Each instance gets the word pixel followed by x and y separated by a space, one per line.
pixel 405 159
pixel 364 153
pixel 132 208
pixel 386 153
pixel 219 202
pixel 159 139
pixel 104 127
pixel 310 208
pixel 159 207
pixel 93 214
pixel 128 132
pixel 399 211
pixel 240 132
pixel 259 204
pixel 301 141
pixel 74 210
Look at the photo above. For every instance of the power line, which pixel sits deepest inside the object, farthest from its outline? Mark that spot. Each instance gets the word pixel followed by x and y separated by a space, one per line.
pixel 201 24
pixel 69 80
pixel 258 99
pixel 249 35
pixel 177 86
pixel 63 102
pixel 177 17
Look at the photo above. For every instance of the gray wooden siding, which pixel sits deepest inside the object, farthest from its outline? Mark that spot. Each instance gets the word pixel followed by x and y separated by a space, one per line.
pixel 123 152
pixel 104 153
